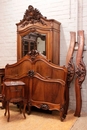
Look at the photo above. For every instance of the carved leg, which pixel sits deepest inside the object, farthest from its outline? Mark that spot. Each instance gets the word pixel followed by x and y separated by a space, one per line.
pixel 67 98
pixel 62 114
pixel 78 98
pixel 2 100
pixel 3 104
pixel 24 110
pixel 29 108
pixel 8 111
pixel 6 107
pixel 20 106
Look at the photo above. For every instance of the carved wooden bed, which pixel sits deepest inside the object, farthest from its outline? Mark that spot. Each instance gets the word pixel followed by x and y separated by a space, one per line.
pixel 45 82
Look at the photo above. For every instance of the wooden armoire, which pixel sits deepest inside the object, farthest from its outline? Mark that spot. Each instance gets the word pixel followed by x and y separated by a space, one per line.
pixel 36 32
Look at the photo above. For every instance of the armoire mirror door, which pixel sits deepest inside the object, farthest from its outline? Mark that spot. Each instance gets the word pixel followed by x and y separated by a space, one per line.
pixel 33 41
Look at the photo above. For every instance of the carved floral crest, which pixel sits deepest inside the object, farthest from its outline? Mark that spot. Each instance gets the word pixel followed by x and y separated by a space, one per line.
pixel 31 16
pixel 33 54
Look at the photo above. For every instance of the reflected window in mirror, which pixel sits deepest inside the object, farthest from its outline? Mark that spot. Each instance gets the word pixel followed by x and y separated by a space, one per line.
pixel 34 41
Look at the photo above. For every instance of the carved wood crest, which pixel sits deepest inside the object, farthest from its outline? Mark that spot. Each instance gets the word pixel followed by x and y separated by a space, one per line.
pixel 31 16
pixel 33 54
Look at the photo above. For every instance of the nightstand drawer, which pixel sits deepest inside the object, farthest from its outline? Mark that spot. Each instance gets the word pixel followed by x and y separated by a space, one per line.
pixel 14 89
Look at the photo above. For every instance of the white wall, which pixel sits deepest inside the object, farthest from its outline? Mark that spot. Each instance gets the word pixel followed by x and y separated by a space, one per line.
pixel 64 11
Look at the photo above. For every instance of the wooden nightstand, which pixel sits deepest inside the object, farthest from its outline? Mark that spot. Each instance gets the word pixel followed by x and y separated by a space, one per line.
pixel 14 93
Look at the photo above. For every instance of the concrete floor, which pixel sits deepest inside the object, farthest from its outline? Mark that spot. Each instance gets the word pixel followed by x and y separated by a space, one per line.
pixel 81 123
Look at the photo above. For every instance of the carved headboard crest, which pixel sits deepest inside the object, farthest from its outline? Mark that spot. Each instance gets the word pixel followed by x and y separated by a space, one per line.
pixel 32 15
pixel 33 54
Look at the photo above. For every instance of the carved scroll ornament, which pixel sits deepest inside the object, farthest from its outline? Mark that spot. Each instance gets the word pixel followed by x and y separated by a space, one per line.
pixel 71 70
pixel 31 16
pixel 44 107
pixel 81 72
pixel 33 54
pixel 31 73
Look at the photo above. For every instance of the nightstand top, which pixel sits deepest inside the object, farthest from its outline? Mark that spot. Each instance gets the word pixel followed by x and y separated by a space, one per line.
pixel 14 83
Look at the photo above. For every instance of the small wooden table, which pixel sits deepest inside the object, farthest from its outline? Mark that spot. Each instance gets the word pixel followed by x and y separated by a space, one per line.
pixel 14 93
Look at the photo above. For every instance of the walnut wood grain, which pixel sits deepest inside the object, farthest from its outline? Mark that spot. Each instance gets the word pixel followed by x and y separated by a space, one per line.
pixel 70 66
pixel 80 73
pixel 45 82
pixel 34 22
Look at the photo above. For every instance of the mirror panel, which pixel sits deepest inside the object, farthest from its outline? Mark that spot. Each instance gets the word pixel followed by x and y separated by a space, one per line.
pixel 34 41
pixel 41 44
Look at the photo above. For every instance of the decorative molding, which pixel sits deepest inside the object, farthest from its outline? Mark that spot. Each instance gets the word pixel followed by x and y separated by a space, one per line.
pixel 31 16
pixel 71 70
pixel 33 54
pixel 81 72
pixel 31 73
pixel 44 107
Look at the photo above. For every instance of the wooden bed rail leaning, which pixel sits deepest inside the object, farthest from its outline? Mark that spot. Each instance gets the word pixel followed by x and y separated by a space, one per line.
pixel 80 73
pixel 77 69
pixel 70 66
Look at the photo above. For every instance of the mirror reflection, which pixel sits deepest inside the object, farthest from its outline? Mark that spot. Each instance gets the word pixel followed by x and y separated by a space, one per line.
pixel 34 41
